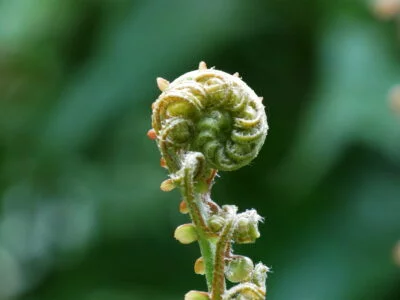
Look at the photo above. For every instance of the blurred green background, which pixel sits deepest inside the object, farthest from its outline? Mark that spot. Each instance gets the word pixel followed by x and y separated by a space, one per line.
pixel 81 212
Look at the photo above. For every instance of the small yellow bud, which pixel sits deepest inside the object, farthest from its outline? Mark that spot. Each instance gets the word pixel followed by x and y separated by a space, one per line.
pixel 199 267
pixel 239 269
pixel 197 295
pixel 246 230
pixel 163 163
pixel 167 185
pixel 162 84
pixel 202 65
pixel 186 233
pixel 151 134
pixel 243 224
pixel 183 209
pixel 216 223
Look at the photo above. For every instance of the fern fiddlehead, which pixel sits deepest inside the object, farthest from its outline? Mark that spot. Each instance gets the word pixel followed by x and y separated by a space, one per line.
pixel 211 112
pixel 204 121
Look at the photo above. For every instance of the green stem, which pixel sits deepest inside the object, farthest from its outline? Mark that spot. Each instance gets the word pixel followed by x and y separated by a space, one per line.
pixel 207 249
pixel 218 284
pixel 196 209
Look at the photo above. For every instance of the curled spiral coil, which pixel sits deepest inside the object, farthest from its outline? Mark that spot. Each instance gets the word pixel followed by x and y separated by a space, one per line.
pixel 211 112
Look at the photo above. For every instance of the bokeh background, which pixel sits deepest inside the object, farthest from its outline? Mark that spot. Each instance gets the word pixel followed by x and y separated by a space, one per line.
pixel 81 212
